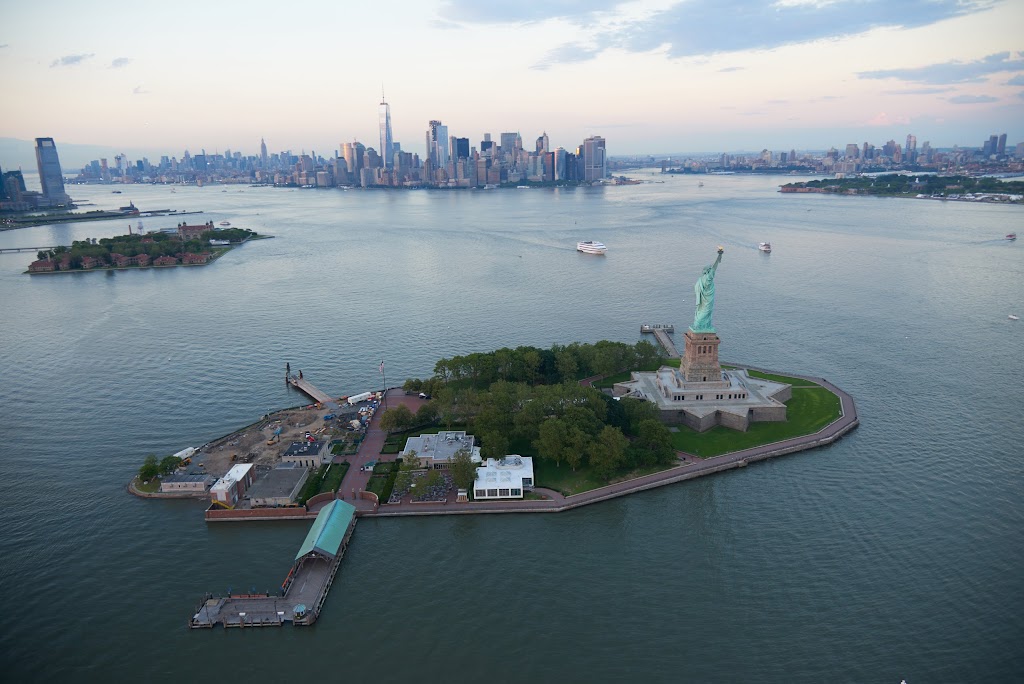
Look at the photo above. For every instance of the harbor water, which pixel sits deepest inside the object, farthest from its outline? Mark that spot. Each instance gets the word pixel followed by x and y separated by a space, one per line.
pixel 895 553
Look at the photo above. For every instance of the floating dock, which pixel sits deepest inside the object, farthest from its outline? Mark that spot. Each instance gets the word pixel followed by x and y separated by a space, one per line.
pixel 661 333
pixel 303 591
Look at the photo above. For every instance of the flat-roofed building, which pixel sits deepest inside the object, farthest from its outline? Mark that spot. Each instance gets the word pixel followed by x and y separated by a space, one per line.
pixel 230 488
pixel 197 482
pixel 436 451
pixel 279 487
pixel 307 454
pixel 506 478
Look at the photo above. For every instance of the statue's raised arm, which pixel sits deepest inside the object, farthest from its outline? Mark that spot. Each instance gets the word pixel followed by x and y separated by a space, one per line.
pixel 704 289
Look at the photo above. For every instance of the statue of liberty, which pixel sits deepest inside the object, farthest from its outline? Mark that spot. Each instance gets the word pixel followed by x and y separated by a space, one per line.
pixel 704 288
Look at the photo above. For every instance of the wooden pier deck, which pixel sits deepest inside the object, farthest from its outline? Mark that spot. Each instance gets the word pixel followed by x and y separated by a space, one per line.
pixel 309 388
pixel 661 333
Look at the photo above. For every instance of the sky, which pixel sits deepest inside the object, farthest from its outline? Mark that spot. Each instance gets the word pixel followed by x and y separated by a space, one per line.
pixel 650 76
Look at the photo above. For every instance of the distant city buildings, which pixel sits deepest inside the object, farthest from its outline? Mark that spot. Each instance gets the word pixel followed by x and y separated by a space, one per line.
pixel 450 161
pixel 15 197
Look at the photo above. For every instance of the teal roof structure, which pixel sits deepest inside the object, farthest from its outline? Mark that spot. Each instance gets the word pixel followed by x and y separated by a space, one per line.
pixel 328 530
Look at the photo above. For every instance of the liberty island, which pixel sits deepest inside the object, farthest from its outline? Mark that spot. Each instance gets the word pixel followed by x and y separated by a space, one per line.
pixel 732 398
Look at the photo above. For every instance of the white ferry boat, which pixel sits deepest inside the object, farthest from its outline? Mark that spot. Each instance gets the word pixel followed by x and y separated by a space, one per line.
pixel 224 223
pixel 591 247
pixel 765 247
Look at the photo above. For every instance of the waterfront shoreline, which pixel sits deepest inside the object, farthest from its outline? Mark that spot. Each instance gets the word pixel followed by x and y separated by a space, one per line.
pixel 690 467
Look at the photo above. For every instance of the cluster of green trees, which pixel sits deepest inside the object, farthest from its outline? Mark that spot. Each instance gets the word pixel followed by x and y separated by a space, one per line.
pixel 531 395
pixel 901 184
pixel 153 244
pixel 400 418
pixel 531 365
pixel 151 467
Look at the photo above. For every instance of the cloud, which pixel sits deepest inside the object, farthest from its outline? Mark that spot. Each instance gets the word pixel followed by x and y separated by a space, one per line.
pixel 954 72
pixel 522 11
pixel 566 54
pixel 120 62
pixel 732 68
pixel 883 119
pixel 70 60
pixel 702 27
pixel 1017 80
pixel 139 90
pixel 3 46
pixel 973 99
pixel 917 91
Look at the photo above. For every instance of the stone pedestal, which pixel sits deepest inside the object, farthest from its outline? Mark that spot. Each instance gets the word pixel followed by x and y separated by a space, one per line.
pixel 700 358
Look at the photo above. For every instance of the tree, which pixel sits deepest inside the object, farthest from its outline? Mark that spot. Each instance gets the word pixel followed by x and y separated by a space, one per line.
pixel 654 437
pixel 149 468
pixel 169 464
pixel 608 452
pixel 495 444
pixel 410 464
pixel 396 419
pixel 463 469
pixel 426 414
pixel 550 442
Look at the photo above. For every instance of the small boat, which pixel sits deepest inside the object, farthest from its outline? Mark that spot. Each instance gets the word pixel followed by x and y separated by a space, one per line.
pixel 765 247
pixel 1013 318
pixel 220 243
pixel 700 184
pixel 1011 236
pixel 591 247
pixel 224 223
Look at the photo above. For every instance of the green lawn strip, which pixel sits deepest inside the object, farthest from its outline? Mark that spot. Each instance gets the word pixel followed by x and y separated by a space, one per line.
pixel 151 487
pixel 376 485
pixel 810 409
pixel 564 479
pixel 312 486
pixel 796 382
pixel 332 480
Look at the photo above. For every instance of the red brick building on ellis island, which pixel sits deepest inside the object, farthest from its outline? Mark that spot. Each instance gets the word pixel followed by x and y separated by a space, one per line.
pixel 187 232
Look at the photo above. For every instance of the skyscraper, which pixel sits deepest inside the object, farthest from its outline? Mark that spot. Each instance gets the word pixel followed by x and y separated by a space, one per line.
pixel 542 143
pixel 263 153
pixel 437 144
pixel 1001 145
pixel 386 141
pixel 594 163
pixel 50 176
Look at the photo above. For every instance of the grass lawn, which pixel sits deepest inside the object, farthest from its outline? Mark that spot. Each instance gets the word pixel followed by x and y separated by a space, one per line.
pixel 795 382
pixel 152 487
pixel 332 480
pixel 810 409
pixel 563 479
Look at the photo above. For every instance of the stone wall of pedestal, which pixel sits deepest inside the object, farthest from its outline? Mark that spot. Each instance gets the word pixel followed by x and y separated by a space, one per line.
pixel 699 362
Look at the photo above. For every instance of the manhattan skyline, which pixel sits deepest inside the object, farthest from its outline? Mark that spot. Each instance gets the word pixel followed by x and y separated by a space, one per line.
pixel 654 75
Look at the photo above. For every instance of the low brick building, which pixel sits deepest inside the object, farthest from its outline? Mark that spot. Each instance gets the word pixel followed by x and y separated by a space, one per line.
pixel 165 261
pixel 42 266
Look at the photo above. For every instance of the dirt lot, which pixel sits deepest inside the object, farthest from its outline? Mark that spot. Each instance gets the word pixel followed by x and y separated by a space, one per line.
pixel 249 445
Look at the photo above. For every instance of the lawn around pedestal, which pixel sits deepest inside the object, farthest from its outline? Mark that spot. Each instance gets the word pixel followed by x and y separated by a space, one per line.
pixel 811 408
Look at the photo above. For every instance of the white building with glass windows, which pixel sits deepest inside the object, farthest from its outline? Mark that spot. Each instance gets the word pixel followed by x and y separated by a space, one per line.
pixel 507 478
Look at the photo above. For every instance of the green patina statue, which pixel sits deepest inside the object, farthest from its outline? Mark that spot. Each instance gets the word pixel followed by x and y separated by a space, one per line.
pixel 705 291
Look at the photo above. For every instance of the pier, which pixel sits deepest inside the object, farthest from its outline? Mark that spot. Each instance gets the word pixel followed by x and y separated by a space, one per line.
pixel 303 591
pixel 309 388
pixel 661 333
